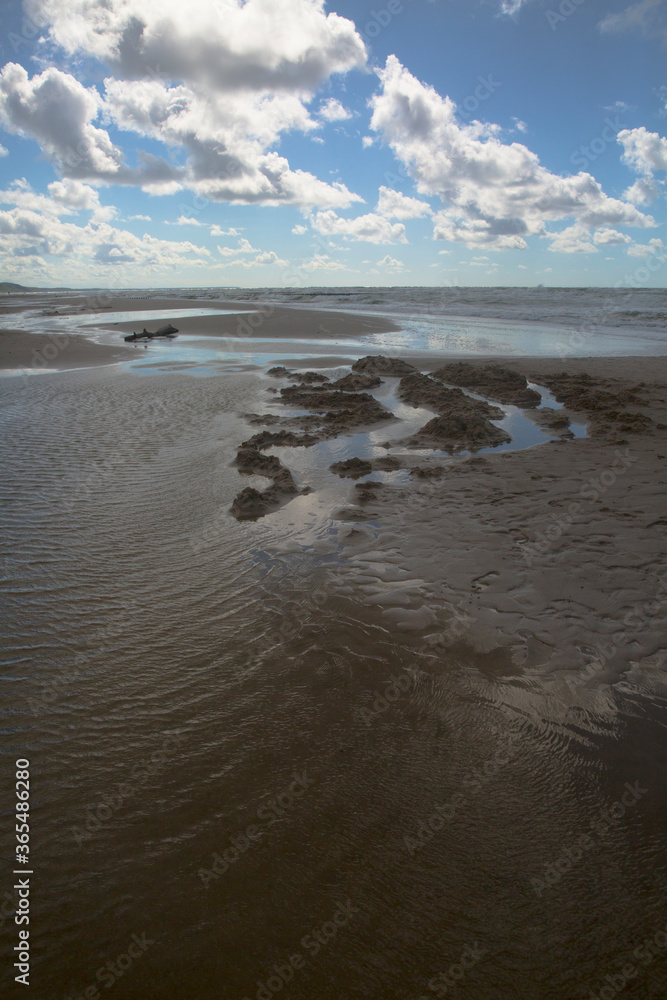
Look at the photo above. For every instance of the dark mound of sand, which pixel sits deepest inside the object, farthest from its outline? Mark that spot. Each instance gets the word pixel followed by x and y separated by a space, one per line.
pixel 386 464
pixel 342 410
pixel 422 390
pixel 467 431
pixel 490 380
pixel 553 420
pixel 251 503
pixel 603 400
pixel 379 365
pixel 368 491
pixel 427 471
pixel 249 460
pixel 352 468
pixel 353 383
pixel 269 439
pixel 307 378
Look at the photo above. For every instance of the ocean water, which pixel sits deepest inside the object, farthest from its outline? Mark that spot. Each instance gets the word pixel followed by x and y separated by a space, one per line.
pixel 236 757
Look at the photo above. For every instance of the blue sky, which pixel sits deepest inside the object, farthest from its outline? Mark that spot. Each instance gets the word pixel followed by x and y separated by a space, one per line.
pixel 294 143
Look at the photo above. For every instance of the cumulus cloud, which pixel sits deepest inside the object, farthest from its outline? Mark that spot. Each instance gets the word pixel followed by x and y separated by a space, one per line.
pixel 3 151
pixel 494 195
pixel 647 16
pixel 57 110
pixel 370 228
pixel 244 45
pixel 36 234
pixel 322 262
pixel 217 87
pixel 390 263
pixel 653 248
pixel 217 231
pixel 333 111
pixel 299 230
pixel 511 6
pixel 66 197
pixel 644 151
pixel 642 191
pixel 394 205
pixel 244 247
pixel 610 238
pixel 185 220
pixel 262 259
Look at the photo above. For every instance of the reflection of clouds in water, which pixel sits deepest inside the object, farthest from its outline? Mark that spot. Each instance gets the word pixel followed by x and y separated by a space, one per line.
pixel 483 336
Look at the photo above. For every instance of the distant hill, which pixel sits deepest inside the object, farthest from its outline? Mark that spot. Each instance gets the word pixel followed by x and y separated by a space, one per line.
pixel 9 286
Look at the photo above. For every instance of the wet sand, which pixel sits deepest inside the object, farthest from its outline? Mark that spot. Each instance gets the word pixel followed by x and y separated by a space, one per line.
pixel 386 728
pixel 41 351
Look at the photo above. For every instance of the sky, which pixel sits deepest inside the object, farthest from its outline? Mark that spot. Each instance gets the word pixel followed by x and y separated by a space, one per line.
pixel 296 143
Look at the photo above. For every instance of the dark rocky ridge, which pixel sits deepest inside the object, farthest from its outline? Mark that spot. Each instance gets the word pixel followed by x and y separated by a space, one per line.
pixel 492 381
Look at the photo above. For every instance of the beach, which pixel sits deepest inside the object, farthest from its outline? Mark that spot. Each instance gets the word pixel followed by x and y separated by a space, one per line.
pixel 401 718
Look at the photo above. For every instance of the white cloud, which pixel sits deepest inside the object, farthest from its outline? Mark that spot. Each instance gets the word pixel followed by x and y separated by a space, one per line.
pixel 642 192
pixel 57 110
pixel 3 151
pixel 66 197
pixel 299 230
pixel 494 195
pixel 653 247
pixel 367 141
pixel 31 235
pixel 322 262
pixel 263 258
pixel 143 218
pixel 620 107
pixel 333 111
pixel 368 228
pixel 644 151
pixel 646 16
pixel 511 6
pixel 185 220
pixel 217 231
pixel 220 86
pixel 610 238
pixel 394 205
pixel 574 239
pixel 390 263
pixel 243 247
pixel 245 45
